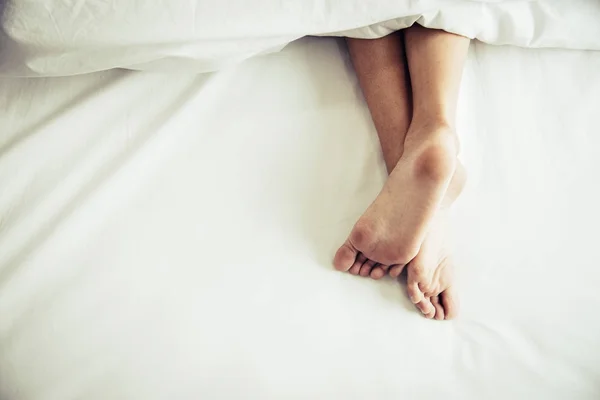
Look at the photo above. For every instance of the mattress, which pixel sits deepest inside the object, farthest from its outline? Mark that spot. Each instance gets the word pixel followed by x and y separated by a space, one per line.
pixel 171 236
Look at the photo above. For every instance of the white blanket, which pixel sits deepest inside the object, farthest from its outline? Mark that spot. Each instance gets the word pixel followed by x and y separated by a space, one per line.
pixel 66 37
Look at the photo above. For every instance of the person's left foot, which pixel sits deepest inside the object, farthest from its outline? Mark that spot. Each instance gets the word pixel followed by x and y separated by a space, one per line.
pixel 391 231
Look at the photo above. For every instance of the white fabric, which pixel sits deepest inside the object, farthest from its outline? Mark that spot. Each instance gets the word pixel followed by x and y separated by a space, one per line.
pixel 66 37
pixel 170 237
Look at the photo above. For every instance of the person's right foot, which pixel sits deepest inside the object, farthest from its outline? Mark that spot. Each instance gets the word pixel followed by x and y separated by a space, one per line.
pixel 391 231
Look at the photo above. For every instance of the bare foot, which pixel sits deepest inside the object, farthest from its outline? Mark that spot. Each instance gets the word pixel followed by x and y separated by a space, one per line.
pixel 390 232
pixel 430 273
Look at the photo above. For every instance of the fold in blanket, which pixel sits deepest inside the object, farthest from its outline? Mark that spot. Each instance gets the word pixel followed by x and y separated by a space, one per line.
pixel 59 37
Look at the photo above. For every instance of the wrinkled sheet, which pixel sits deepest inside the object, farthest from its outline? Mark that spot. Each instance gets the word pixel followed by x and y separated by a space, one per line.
pixel 170 236
pixel 68 37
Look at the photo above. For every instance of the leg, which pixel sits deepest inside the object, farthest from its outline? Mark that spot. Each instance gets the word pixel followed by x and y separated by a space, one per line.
pixel 382 73
pixel 393 228
pixel 436 61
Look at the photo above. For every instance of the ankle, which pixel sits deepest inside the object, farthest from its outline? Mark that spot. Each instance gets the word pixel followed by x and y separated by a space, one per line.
pixel 456 186
pixel 425 133
pixel 435 162
pixel 391 159
pixel 432 122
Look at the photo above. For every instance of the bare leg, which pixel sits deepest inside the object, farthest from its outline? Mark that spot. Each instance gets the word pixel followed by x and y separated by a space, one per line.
pixel 382 72
pixel 394 227
pixel 436 60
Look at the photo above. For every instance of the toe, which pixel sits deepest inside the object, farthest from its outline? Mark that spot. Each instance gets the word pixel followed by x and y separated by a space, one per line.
pixel 426 308
pixel 450 303
pixel 366 268
pixel 414 294
pixel 396 270
pixel 345 257
pixel 420 274
pixel 439 310
pixel 430 290
pixel 379 271
pixel 355 268
pixel 414 290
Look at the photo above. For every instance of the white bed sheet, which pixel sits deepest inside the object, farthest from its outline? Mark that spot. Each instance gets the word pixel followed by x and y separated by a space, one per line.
pixel 170 237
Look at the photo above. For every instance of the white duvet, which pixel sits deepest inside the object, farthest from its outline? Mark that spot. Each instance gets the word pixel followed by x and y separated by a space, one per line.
pixel 66 37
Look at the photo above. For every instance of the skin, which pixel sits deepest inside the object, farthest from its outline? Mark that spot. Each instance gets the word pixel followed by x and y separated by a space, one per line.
pixel 410 80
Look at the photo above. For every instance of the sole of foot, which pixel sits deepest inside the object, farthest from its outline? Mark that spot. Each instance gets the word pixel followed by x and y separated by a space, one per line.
pixel 392 229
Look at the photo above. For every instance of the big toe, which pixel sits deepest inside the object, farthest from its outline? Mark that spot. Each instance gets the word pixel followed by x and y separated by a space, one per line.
pixel 345 256
pixel 426 308
pixel 416 281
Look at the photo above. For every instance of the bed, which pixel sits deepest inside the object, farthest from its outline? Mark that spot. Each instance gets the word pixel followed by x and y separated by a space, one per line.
pixel 170 236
